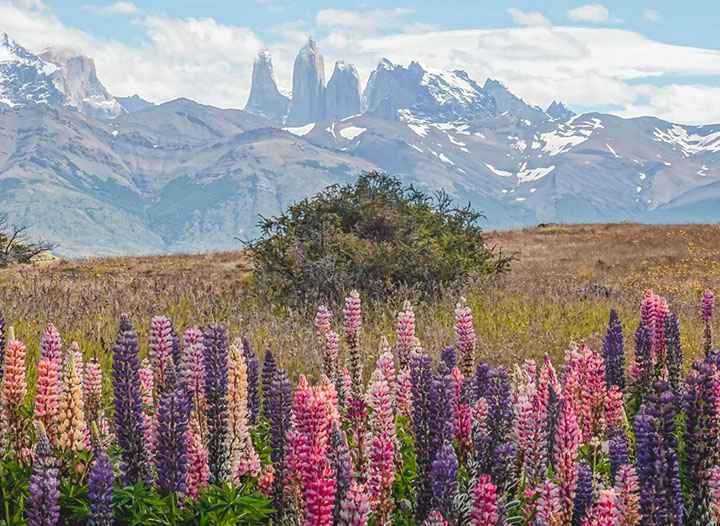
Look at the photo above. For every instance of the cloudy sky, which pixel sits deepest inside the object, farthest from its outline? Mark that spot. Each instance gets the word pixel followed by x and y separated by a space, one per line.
pixel 657 58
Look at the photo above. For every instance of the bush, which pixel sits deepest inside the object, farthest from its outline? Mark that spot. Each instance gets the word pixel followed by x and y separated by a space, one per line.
pixel 375 235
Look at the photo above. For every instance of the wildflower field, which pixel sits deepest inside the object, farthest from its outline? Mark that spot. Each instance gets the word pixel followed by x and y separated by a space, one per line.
pixel 530 402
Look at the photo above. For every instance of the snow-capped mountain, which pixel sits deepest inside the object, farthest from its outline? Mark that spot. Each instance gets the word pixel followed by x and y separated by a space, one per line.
pixel 182 176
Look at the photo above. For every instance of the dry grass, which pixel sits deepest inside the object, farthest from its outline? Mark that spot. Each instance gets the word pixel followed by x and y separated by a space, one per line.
pixel 564 282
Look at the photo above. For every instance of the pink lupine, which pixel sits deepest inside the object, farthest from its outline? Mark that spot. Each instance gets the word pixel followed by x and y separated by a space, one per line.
pixel 462 415
pixel 352 324
pixel 403 395
pixel 524 423
pixel 465 340
pixel 47 397
pixel 146 382
pixel 714 489
pixel 405 335
pixel 605 512
pixel 265 481
pixel 549 506
pixel 707 310
pixel 13 394
pixel 198 472
pixel 382 451
pixel 385 363
pixel 614 408
pixel 627 497
pixel 653 310
pixel 322 321
pixel 330 393
pixel 435 519
pixel 567 442
pixel 355 507
pixel 484 503
pixel 92 388
pixel 594 395
pixel 480 413
pixel 50 346
pixel 535 427
pixel 76 354
pixel 192 371
pixel 160 349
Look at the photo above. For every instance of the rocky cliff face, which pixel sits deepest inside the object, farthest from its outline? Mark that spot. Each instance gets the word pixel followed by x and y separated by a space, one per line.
pixel 342 95
pixel 265 99
pixel 558 111
pixel 308 99
pixel 508 102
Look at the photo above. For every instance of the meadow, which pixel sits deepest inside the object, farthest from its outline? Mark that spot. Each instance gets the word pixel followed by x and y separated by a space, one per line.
pixel 227 408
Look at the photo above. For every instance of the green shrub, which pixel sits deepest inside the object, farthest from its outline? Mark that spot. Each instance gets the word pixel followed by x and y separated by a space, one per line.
pixel 375 235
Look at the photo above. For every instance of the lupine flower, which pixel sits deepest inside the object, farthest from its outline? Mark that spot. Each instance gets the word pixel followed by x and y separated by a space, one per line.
pixel 198 472
pixel 328 342
pixel 42 508
pixel 50 346
pixel 440 421
pixel 71 412
pixel 173 419
pixel 100 489
pixel 536 446
pixel 322 321
pixel 606 512
pixel 447 355
pixel 128 406
pixel 613 353
pixel 160 349
pixel 618 450
pixel 614 411
pixel 146 384
pixel 382 451
pixel 355 507
pixel 403 394
pixel 216 389
pixel 707 310
pixel 674 353
pixel 76 355
pixel 443 479
pixel 586 390
pixel 435 519
pixel 484 503
pixel 176 347
pixel 628 499
pixel 192 373
pixel 584 499
pixel 465 337
pixel 653 311
pixel 524 391
pixel 341 464
pixel 405 335
pixel 385 365
pixel 714 488
pixel 268 371
pixel 2 343
pixel 462 414
pixel 13 395
pixel 253 374
pixel 566 454
pixel 549 506
pixel 661 500
pixel 242 456
pixel 641 369
pixel 47 397
pixel 92 389
pixel 421 378
pixel 352 325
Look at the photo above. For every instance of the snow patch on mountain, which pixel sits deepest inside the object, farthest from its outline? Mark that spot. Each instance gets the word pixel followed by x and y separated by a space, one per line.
pixel 351 132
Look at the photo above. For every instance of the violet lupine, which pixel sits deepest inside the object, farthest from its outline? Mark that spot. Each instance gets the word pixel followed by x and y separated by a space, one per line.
pixel 554 407
pixel 160 349
pixel 242 456
pixel 129 426
pixel 216 390
pixel 500 415
pixel 447 355
pixel 674 353
pixel 341 464
pixel 618 451
pixel 382 451
pixel 92 390
pixel 484 503
pixel 355 507
pixel 443 480
pixel 584 499
pixel 352 325
pixel 173 419
pixel 421 378
pixel 176 347
pixel 465 340
pixel 661 500
pixel 100 489
pixel 405 335
pixel 566 458
pixel 47 397
pixel 707 309
pixel 253 374
pixel 641 370
pixel 628 498
pixel 42 508
pixel 613 353
pixel 440 416
pixel 549 506
pixel 268 372
pixel 72 429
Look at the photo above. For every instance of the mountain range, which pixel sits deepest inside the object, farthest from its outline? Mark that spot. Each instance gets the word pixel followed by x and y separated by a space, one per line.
pixel 105 175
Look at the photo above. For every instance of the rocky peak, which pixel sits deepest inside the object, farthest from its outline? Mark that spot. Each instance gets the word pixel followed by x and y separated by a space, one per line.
pixel 558 111
pixel 308 91
pixel 265 98
pixel 342 96
pixel 506 101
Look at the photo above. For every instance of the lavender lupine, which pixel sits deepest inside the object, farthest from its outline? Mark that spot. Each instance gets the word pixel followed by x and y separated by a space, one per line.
pixel 253 378
pixel 277 405
pixel 584 499
pixel 129 426
pixel 216 386
pixel 443 480
pixel 553 417
pixel 100 488
pixel 707 309
pixel 613 353
pixel 341 464
pixel 42 508
pixel 674 353
pixel 661 498
pixel 500 414
pixel 173 420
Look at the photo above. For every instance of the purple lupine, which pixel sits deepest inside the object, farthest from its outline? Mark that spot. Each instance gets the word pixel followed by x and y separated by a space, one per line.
pixel 268 373
pixel 448 356
pixel 100 488
pixel 642 369
pixel 129 426
pixel 216 389
pixel 553 417
pixel 341 464
pixel 613 353
pixel 278 405
pixel 501 467
pixel 253 372
pixel 173 421
pixel 584 499
pixel 661 500
pixel 500 414
pixel 440 417
pixel 443 480
pixel 421 378
pixel 176 346
pixel 482 372
pixel 698 404
pixel 42 508
pixel 674 353
pixel 707 309
pixel 618 450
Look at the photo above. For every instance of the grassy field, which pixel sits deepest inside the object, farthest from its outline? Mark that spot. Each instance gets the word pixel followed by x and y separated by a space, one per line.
pixel 563 284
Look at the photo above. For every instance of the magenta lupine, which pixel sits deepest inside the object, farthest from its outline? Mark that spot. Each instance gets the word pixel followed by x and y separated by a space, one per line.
pixel 355 507
pixel 47 397
pixel 462 414
pixel 50 346
pixel 405 343
pixel 484 503
pixel 653 311
pixel 627 496
pixel 566 458
pixel 707 309
pixel 549 505
pixel 160 349
pixel 595 395
pixel 435 519
pixel 465 340
pixel 42 508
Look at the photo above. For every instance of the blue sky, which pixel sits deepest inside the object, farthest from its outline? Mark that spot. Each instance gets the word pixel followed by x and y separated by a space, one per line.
pixel 631 58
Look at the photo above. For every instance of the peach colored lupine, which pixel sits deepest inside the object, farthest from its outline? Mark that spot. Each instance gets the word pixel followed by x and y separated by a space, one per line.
pixel 243 458
pixel 13 396
pixel 265 481
pixel 47 398
pixel 72 429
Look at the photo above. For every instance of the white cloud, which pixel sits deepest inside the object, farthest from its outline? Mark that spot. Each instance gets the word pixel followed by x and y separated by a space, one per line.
pixel 371 20
pixel 118 8
pixel 678 103
pixel 595 13
pixel 523 18
pixel 653 15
